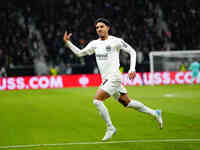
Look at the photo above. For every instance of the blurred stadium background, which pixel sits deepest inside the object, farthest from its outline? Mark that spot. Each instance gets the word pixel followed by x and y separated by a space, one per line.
pixel 31 44
pixel 32 31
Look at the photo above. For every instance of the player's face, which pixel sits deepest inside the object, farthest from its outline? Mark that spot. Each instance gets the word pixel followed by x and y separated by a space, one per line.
pixel 102 30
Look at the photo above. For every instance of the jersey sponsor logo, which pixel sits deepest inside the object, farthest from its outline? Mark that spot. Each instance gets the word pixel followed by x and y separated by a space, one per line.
pixel 102 56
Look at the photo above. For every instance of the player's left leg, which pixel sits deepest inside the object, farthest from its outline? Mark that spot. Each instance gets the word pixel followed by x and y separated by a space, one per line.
pixel 137 105
pixel 124 99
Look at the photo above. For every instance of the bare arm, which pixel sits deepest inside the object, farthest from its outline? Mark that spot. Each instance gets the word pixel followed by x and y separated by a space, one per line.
pixel 86 51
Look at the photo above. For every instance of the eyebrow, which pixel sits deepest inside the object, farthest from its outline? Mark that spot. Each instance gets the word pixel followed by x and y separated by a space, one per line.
pixel 99 26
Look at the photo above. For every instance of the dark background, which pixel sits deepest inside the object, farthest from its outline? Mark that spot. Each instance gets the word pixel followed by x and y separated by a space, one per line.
pixel 31 32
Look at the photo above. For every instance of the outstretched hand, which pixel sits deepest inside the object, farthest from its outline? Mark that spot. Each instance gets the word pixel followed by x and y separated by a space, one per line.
pixel 131 75
pixel 66 37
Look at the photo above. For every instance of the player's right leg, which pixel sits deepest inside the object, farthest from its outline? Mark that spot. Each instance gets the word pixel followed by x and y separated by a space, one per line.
pixel 101 95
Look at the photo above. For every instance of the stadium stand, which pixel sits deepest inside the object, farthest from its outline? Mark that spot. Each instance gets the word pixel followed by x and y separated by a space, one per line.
pixel 31 34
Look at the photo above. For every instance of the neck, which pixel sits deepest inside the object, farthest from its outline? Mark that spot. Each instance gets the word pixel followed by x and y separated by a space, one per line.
pixel 104 37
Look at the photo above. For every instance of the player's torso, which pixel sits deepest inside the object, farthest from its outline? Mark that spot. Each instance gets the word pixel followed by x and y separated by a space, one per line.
pixel 107 57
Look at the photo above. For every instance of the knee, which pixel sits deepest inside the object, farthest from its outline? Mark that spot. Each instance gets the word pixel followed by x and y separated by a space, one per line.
pixel 97 102
pixel 123 102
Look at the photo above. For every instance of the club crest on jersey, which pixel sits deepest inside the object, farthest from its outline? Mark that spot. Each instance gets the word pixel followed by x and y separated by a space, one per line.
pixel 108 48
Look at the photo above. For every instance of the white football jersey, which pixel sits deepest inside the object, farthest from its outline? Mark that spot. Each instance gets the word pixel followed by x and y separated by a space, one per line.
pixel 107 55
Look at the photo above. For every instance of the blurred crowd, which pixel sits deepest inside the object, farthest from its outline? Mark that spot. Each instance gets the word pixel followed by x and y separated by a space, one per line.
pixel 32 34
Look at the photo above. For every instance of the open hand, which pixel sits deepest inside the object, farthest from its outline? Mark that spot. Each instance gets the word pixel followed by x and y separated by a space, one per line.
pixel 66 37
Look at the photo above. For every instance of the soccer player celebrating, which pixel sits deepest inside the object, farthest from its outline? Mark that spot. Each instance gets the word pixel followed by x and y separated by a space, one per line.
pixel 106 49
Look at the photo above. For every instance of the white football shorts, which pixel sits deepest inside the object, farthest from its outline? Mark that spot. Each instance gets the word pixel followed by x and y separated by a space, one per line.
pixel 113 88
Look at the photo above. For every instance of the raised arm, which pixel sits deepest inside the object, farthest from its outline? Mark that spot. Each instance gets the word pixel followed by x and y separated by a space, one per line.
pixel 127 48
pixel 88 50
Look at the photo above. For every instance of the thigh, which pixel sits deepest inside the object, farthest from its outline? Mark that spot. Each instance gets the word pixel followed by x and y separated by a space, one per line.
pixel 101 95
pixel 111 86
pixel 122 96
pixel 121 91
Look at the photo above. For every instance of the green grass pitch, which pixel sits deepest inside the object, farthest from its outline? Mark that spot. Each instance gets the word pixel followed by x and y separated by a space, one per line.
pixel 54 116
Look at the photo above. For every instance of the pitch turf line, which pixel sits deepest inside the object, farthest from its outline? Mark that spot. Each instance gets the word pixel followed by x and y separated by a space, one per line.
pixel 95 143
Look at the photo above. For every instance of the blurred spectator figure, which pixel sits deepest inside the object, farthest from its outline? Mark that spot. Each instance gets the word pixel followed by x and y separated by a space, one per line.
pixel 195 67
pixel 1 57
pixel 121 69
pixel 34 42
pixel 168 45
pixel 183 67
pixel 68 69
pixel 139 55
pixel 53 71
pixel 139 60
pixel 3 72
pixel 61 69
pixel 95 70
pixel 161 24
pixel 40 66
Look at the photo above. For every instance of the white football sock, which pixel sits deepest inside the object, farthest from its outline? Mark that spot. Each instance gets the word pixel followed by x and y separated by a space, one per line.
pixel 141 107
pixel 103 112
